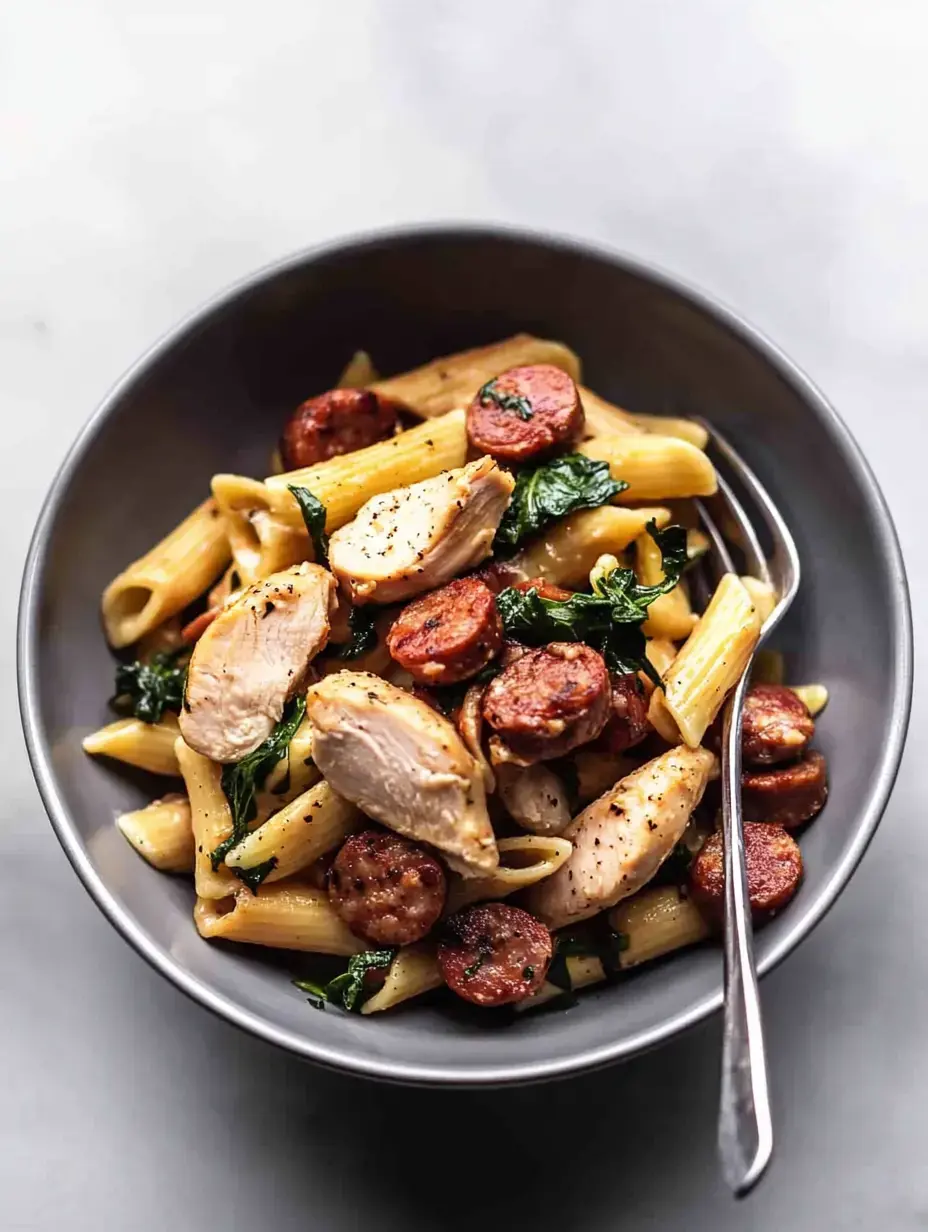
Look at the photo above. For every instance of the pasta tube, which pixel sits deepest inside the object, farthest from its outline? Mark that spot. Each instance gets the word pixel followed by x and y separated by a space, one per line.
pixel 567 551
pixel 815 697
pixel 358 372
pixel 654 467
pixel 288 916
pixel 671 425
pixel 150 746
pixel 669 616
pixel 523 860
pixel 453 381
pixel 294 773
pixel 210 819
pixel 346 482
pixel 300 833
pixel 414 970
pixel 603 419
pixel 711 660
pixel 161 583
pixel 162 833
pixel 763 595
pixel 597 772
pixel 260 542
pixel 656 922
pixel 583 970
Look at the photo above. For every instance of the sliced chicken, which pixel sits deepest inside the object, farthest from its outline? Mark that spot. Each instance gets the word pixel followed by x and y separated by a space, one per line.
pixel 402 763
pixel 413 539
pixel 252 659
pixel 621 839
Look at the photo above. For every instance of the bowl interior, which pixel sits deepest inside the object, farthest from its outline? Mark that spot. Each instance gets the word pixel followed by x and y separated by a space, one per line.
pixel 212 398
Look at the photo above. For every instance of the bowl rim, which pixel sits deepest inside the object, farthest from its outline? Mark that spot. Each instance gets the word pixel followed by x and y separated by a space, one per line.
pixel 347 1059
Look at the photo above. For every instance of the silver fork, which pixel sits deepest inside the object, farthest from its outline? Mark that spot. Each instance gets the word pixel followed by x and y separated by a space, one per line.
pixel 745 1129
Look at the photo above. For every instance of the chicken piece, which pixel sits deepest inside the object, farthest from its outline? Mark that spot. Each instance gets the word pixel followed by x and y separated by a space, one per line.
pixel 401 763
pixel 413 539
pixel 621 839
pixel 252 659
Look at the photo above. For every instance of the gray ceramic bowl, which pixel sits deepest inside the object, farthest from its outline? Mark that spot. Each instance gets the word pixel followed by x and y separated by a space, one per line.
pixel 211 397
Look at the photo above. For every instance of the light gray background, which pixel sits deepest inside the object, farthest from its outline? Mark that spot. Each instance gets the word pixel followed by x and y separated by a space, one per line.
pixel 775 153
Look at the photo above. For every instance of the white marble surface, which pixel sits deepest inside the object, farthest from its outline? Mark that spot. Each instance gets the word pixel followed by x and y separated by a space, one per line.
pixel 149 154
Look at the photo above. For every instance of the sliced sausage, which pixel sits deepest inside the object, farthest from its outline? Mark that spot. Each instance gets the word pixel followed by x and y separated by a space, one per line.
pixel 774 868
pixel 789 795
pixel 194 629
pixel 448 635
pixel 494 954
pixel 776 727
pixel 525 412
pixel 335 423
pixel 548 702
pixel 386 889
pixel 628 723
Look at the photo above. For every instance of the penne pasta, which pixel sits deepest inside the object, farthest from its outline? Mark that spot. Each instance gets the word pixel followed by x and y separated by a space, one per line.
pixel 149 746
pixel 162 833
pixel 344 483
pixel 294 773
pixel 815 697
pixel 670 616
pixel 162 582
pixel 523 860
pixel 763 595
pixel 265 528
pixel 711 660
pixel 567 551
pixel 601 418
pixel 598 771
pixel 671 425
pixel 654 467
pixel 414 971
pixel 583 970
pixel 298 834
pixel 656 922
pixel 289 916
pixel 210 819
pixel 453 381
pixel 358 372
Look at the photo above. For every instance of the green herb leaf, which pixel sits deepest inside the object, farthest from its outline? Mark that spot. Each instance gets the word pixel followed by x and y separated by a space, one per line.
pixel 314 515
pixel 314 990
pixel 146 690
pixel 471 971
pixel 609 619
pixel 363 634
pixel 242 781
pixel 550 491
pixel 252 877
pixel 506 402
pixel 346 989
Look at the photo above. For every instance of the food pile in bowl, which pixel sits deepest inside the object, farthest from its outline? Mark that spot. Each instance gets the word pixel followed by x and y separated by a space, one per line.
pixel 443 695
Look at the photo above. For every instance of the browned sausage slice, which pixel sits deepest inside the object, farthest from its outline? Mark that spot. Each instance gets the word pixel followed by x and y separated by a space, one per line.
pixel 494 954
pixel 546 590
pixel 525 412
pixel 628 724
pixel 547 702
pixel 789 795
pixel 385 888
pixel 448 635
pixel 335 423
pixel 776 727
pixel 774 867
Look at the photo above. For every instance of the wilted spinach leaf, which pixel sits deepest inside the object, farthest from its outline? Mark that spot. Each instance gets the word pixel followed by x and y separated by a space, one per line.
pixel 550 491
pixel 314 515
pixel 346 989
pixel 146 690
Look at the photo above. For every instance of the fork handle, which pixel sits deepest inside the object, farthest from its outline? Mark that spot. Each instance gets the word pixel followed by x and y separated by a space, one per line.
pixel 745 1136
